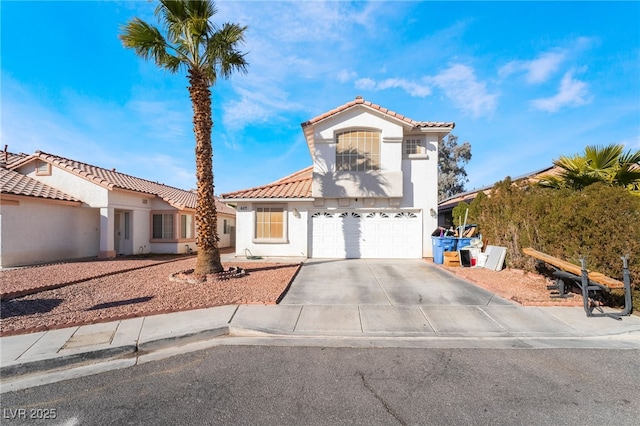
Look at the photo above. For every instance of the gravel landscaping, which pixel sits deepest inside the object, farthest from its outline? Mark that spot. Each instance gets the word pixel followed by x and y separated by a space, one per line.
pixel 83 292
pixel 75 293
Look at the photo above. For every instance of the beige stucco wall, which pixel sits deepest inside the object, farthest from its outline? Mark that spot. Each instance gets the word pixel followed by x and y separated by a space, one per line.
pixel 91 194
pixel 386 182
pixel 40 231
pixel 225 239
pixel 297 233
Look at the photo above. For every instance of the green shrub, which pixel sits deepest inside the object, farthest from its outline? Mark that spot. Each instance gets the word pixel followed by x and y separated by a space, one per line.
pixel 599 223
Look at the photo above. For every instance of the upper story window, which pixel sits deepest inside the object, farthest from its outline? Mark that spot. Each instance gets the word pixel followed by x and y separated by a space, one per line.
pixel 43 168
pixel 413 146
pixel 358 150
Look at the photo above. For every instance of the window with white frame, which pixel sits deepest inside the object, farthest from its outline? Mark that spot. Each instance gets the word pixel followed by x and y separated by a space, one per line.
pixel 413 146
pixel 186 226
pixel 270 223
pixel 127 225
pixel 358 150
pixel 226 228
pixel 163 226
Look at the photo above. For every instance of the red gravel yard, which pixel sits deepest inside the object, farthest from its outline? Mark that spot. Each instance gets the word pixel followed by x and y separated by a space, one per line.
pixel 84 292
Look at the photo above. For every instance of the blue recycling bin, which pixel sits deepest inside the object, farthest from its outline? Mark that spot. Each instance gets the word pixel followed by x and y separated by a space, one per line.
pixel 440 245
pixel 463 242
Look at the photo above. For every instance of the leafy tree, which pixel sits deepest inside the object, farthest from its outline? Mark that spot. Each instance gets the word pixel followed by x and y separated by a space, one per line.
pixel 206 51
pixel 451 173
pixel 608 164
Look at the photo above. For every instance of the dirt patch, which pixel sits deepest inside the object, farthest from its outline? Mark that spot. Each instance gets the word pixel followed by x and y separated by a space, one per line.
pixel 526 288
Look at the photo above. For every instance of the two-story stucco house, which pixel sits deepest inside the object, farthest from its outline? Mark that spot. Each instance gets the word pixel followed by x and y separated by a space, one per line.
pixel 54 208
pixel 372 191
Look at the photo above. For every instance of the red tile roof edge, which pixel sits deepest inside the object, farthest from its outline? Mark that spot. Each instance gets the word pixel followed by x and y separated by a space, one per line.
pixel 14 183
pixel 360 101
pixel 185 199
pixel 290 179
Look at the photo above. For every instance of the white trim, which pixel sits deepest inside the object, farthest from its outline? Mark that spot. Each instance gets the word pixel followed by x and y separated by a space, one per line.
pixel 392 139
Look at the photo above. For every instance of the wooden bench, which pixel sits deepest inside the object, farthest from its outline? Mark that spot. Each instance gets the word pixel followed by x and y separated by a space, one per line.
pixel 588 281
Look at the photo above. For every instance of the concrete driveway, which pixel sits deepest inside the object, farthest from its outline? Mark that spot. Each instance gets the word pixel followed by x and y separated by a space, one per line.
pixel 387 282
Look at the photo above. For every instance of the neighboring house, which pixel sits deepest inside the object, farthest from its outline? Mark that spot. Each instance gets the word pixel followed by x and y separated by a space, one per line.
pixel 446 206
pixel 372 191
pixel 54 208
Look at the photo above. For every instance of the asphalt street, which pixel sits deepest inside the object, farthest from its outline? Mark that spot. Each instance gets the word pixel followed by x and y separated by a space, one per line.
pixel 334 386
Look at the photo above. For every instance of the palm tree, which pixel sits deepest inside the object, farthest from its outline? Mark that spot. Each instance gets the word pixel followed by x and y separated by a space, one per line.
pixel 206 51
pixel 608 164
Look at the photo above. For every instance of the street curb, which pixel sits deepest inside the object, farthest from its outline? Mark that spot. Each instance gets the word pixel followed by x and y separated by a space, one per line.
pixel 22 375
pixel 63 362
pixel 181 339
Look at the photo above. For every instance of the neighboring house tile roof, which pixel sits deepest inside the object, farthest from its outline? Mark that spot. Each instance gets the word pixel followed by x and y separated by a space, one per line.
pixel 296 185
pixel 111 179
pixel 14 183
pixel 360 101
pixel 8 159
pixel 450 202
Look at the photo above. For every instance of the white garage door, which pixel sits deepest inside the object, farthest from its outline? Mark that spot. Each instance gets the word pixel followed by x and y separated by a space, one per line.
pixel 375 234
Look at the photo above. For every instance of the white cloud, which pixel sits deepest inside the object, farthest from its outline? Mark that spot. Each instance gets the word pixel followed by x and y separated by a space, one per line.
pixel 572 92
pixel 460 84
pixel 365 84
pixel 344 76
pixel 413 89
pixel 537 70
pixel 256 107
pixel 291 46
pixel 417 90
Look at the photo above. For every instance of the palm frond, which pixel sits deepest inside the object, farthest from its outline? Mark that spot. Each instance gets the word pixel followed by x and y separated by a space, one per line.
pixel 191 40
pixel 148 43
pixel 602 157
pixel 222 53
pixel 630 157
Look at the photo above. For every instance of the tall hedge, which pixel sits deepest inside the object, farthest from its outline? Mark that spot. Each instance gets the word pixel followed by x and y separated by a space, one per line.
pixel 599 223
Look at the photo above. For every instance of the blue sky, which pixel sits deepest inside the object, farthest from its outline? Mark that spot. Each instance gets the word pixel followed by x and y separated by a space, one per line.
pixel 525 82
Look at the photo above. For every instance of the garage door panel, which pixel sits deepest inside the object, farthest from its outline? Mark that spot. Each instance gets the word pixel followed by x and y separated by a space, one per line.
pixel 381 234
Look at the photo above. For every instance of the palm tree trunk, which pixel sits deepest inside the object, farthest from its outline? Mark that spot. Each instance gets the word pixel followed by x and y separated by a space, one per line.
pixel 207 239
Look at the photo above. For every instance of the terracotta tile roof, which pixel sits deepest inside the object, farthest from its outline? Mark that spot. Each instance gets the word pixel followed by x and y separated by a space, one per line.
pixel 9 159
pixel 468 197
pixel 223 208
pixel 111 179
pixel 360 101
pixel 14 183
pixel 296 185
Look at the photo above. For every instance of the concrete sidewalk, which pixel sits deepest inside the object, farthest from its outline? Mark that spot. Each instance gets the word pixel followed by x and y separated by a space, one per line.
pixel 45 357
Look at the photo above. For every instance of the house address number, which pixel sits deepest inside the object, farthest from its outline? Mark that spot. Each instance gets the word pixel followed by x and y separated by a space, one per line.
pixel 243 208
